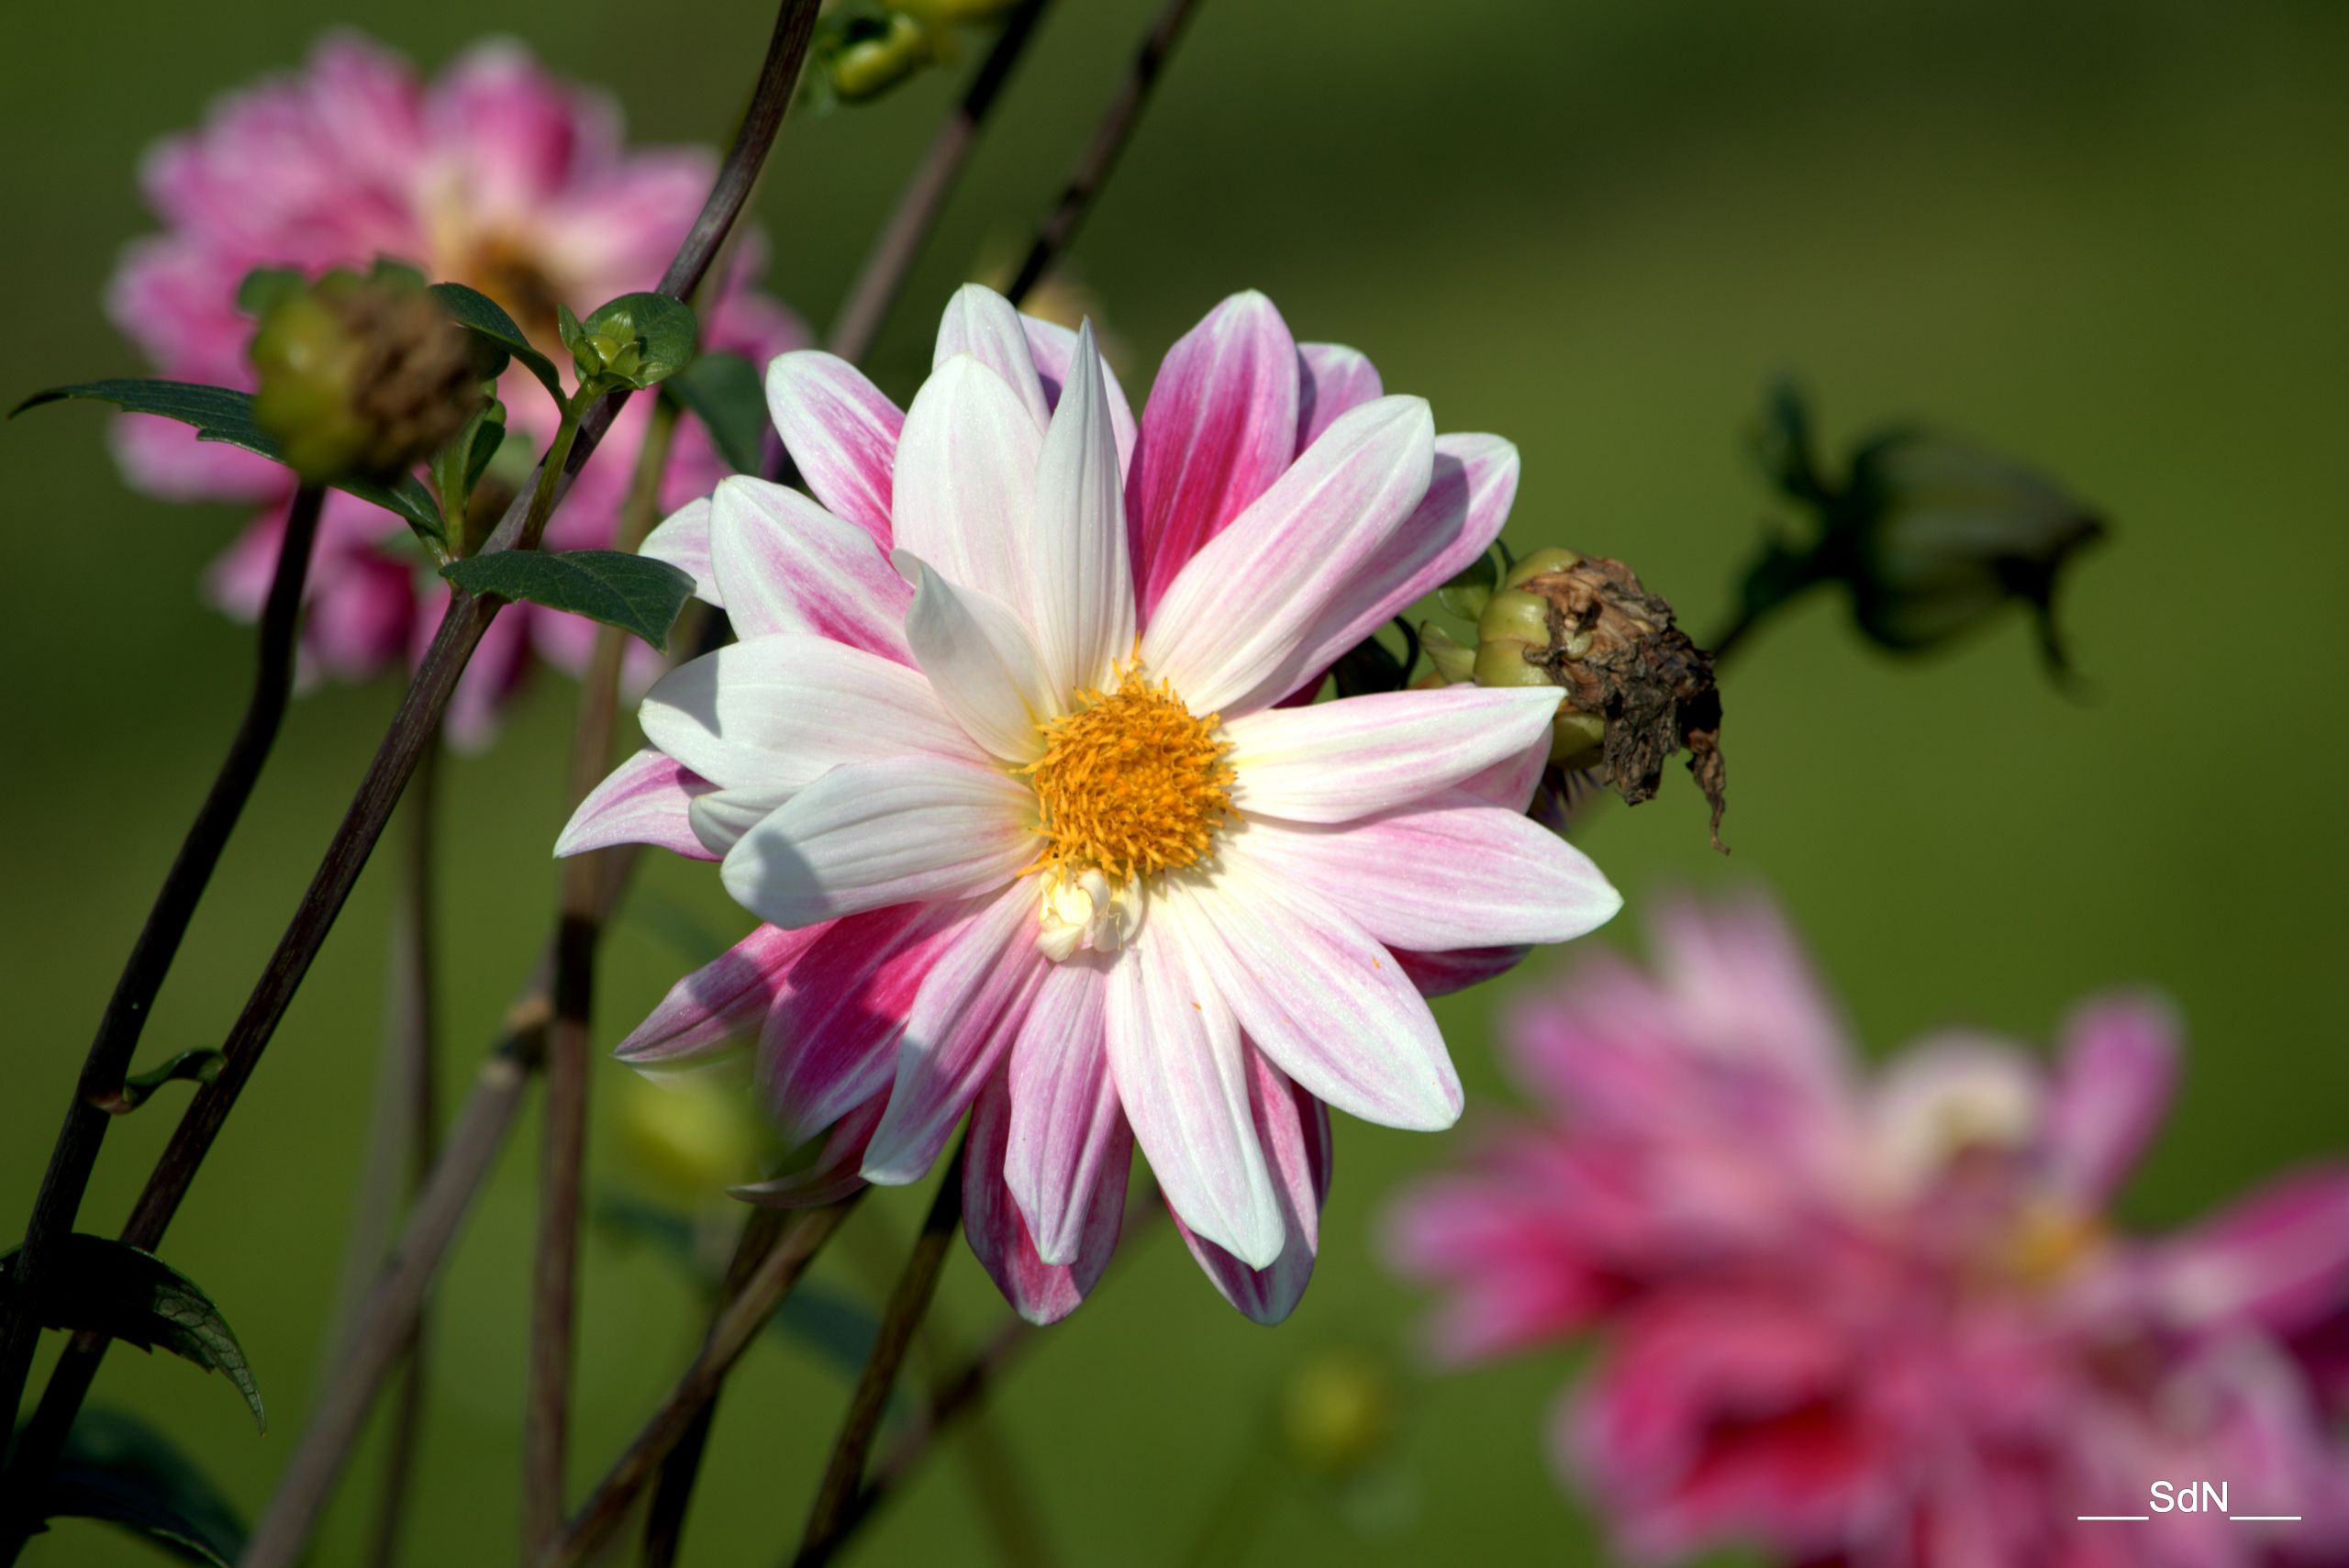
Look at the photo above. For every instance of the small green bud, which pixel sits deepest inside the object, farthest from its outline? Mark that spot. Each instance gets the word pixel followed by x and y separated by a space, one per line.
pixel 959 13
pixel 1338 1412
pixel 360 377
pixel 634 340
pixel 873 53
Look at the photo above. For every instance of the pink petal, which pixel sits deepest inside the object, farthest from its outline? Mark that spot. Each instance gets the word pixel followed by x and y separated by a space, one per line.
pixel 725 998
pixel 1067 1128
pixel 2278 1261
pixel 2117 1072
pixel 1448 871
pixel 868 835
pixel 1442 973
pixel 1326 1003
pixel 967 479
pixel 831 1174
pixel 843 434
pixel 1294 1128
pixel 644 802
pixel 1177 1059
pixel 522 135
pixel 1509 784
pixel 965 1016
pixel 784 564
pixel 1336 761
pixel 1220 427
pixel 1332 379
pixel 1083 593
pixel 1054 349
pixel 982 323
pixel 830 1037
pixel 1039 1292
pixel 683 540
pixel 1244 620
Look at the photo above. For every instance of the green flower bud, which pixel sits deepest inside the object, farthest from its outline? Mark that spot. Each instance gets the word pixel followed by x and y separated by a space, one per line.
pixel 634 340
pixel 959 13
pixel 1338 1412
pixel 360 377
pixel 873 51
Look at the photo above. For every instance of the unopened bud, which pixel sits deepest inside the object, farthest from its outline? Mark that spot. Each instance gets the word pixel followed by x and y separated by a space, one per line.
pixel 866 49
pixel 360 377
pixel 1338 1412
pixel 634 340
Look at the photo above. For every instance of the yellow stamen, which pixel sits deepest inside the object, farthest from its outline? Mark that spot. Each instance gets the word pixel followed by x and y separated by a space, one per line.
pixel 1131 783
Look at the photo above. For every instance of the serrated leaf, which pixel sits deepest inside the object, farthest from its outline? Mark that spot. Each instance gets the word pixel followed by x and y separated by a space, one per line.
pixel 635 592
pixel 488 321
pixel 117 1469
pixel 723 391
pixel 112 1288
pixel 225 415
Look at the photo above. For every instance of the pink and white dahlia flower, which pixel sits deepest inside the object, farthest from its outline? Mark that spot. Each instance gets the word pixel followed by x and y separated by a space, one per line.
pixel 495 176
pixel 1003 761
pixel 1887 1322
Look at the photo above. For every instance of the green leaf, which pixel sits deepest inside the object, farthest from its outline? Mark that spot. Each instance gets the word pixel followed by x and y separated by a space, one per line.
pixel 723 391
pixel 225 415
pixel 635 592
pixel 488 321
pixel 1465 595
pixel 118 1469
pixel 109 1287
pixel 194 1066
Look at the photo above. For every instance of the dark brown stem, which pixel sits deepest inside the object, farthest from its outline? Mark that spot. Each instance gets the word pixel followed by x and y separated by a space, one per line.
pixel 828 1520
pixel 1109 140
pixel 554 1279
pixel 107 1062
pixel 417 719
pixel 901 238
pixel 730 1333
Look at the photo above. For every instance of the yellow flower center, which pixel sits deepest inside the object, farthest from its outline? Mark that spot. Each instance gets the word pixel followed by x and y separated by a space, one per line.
pixel 1131 784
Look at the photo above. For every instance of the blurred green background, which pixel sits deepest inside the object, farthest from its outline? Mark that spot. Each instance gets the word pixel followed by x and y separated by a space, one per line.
pixel 2107 235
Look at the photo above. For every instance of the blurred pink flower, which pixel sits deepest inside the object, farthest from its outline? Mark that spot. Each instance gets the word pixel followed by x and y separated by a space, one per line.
pixel 495 176
pixel 1883 1321
pixel 875 761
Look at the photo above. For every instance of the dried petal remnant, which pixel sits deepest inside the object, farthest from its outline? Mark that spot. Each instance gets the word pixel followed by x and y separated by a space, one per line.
pixel 1131 783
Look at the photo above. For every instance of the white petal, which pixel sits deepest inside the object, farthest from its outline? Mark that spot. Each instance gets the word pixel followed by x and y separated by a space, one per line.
pixel 841 431
pixel 1054 346
pixel 1238 624
pixel 1337 760
pixel 982 324
pixel 874 834
pixel 683 540
pixel 720 818
pixel 1175 1055
pixel 784 564
pixel 775 713
pixel 966 480
pixel 1083 590
pixel 1449 872
pixel 1330 1005
pixel 981 661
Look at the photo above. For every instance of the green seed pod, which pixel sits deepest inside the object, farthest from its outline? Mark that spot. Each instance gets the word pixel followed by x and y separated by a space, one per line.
pixel 1542 563
pixel 1515 615
pixel 1577 740
pixel 1504 664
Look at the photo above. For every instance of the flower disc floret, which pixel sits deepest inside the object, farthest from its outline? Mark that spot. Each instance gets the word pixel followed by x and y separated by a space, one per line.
pixel 1132 783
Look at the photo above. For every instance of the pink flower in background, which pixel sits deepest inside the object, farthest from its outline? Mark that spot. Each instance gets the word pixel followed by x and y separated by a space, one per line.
pixel 495 176
pixel 1883 1320
pixel 1037 832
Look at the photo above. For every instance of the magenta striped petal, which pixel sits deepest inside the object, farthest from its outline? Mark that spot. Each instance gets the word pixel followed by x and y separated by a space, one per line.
pixel 841 433
pixel 1448 871
pixel 1068 1128
pixel 1442 973
pixel 1325 1001
pixel 827 1173
pixel 644 801
pixel 1294 1128
pixel 1055 347
pixel 784 564
pixel 1177 1059
pixel 982 323
pixel 1337 760
pixel 1250 615
pixel 721 1000
pixel 831 1038
pixel 963 1019
pixel 2276 1261
pixel 2112 1087
pixel 872 834
pixel 683 540
pixel 966 480
pixel 1039 1292
pixel 1219 428
pixel 1332 379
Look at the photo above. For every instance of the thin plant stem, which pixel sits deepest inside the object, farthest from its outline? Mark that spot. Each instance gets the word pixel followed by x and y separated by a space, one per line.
pixel 1109 138
pixel 916 1286
pixel 901 238
pixel 554 1279
pixel 730 1333
pixel 107 1062
pixel 467 617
